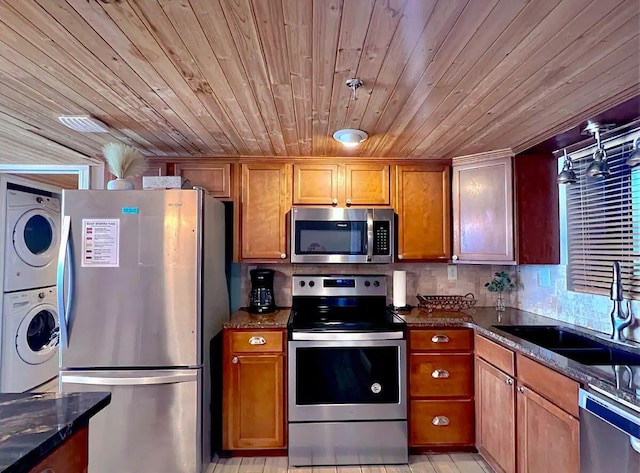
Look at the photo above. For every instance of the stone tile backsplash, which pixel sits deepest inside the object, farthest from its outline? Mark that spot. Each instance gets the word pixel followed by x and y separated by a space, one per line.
pixel 550 298
pixel 429 279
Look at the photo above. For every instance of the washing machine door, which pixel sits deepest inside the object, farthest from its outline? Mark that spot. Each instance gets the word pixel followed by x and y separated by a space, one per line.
pixel 35 237
pixel 37 338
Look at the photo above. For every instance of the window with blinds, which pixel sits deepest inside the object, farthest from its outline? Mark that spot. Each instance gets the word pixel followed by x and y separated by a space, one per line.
pixel 603 225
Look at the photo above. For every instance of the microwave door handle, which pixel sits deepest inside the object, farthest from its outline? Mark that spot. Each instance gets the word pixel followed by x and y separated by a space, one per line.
pixel 369 235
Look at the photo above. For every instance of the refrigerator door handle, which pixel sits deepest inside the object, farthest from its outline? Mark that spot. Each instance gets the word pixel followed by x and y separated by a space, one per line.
pixel 64 260
pixel 173 378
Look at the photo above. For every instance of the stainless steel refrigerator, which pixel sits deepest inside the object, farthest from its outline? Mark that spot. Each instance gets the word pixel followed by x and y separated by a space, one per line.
pixel 142 291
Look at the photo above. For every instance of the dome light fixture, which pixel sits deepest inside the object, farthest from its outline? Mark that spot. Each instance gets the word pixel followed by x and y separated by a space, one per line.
pixel 350 137
pixel 567 175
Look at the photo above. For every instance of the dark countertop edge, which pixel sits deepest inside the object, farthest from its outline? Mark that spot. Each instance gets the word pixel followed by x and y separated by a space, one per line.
pixel 25 463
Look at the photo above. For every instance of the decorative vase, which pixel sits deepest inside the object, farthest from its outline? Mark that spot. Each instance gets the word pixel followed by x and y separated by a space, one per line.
pixel 119 185
pixel 500 302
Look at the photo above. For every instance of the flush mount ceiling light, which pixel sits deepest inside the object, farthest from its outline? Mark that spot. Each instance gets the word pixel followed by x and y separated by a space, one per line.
pixel 83 123
pixel 350 137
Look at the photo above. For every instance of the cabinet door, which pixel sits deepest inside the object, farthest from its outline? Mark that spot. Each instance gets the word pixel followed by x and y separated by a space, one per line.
pixel 216 178
pixel 483 211
pixel 423 212
pixel 548 437
pixel 254 401
pixel 495 417
pixel 70 457
pixel 315 184
pixel 265 195
pixel 367 184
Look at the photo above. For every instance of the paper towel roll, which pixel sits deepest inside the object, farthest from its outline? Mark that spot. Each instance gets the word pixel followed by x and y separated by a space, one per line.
pixel 399 288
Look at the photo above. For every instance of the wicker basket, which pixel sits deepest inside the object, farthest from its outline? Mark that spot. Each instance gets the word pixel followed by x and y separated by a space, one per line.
pixel 450 303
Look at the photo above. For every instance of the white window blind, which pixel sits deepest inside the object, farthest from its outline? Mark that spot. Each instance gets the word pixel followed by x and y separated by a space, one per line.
pixel 603 225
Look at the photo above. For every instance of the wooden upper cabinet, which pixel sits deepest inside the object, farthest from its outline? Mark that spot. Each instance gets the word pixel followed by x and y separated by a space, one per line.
pixel 342 185
pixel 215 178
pixel 423 212
pixel 367 184
pixel 315 184
pixel 548 437
pixel 495 417
pixel 506 209
pixel 265 203
pixel 483 211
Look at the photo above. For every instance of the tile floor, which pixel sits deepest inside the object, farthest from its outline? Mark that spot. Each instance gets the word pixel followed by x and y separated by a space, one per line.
pixel 441 463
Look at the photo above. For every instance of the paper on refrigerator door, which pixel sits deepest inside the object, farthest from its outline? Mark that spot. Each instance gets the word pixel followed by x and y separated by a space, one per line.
pixel 101 242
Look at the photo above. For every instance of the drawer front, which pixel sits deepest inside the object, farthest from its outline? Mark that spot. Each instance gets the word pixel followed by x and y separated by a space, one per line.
pixel 449 375
pixel 557 388
pixel 500 357
pixel 441 423
pixel 441 340
pixel 260 341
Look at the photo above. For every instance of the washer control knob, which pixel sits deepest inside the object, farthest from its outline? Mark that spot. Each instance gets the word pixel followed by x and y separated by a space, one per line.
pixel 367 284
pixel 376 283
pixel 302 283
pixel 39 200
pixel 311 283
pixel 41 295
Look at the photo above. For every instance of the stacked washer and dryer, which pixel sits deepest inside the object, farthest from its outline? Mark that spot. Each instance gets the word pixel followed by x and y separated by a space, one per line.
pixel 29 322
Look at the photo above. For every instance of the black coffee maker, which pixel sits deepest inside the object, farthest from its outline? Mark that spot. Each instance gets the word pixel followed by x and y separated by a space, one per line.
pixel 261 298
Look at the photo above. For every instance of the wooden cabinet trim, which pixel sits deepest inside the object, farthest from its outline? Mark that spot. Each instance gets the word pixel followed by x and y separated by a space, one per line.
pixel 557 388
pixel 501 357
pixel 445 340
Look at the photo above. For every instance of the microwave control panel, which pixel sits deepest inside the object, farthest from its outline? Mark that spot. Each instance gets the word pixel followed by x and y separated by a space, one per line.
pixel 381 237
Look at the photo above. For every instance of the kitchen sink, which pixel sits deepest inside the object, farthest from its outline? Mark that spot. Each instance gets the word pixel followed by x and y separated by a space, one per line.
pixel 571 345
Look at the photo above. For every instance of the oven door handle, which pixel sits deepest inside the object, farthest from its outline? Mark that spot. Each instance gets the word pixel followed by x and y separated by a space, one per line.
pixel 346 336
pixel 369 235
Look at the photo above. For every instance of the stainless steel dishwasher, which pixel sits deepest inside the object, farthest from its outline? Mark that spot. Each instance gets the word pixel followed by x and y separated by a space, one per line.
pixel 609 435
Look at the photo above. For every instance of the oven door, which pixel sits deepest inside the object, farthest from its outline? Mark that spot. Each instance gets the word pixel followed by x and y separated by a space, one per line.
pixel 343 380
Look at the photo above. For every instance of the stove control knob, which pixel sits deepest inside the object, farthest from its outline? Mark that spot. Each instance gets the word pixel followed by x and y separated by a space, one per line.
pixel 311 284
pixel 302 283
pixel 376 388
pixel 367 284
pixel 376 283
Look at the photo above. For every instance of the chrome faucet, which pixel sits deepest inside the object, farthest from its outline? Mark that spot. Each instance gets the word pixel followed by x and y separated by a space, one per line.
pixel 619 319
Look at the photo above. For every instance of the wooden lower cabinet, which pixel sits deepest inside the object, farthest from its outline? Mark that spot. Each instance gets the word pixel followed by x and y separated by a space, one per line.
pixel 495 417
pixel 253 391
pixel 441 422
pixel 70 457
pixel 548 437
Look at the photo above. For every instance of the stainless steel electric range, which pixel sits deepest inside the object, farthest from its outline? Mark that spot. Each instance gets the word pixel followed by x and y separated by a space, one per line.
pixel 347 373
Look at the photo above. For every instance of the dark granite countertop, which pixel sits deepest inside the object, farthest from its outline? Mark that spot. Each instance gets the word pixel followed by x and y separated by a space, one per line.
pixel 33 425
pixel 621 383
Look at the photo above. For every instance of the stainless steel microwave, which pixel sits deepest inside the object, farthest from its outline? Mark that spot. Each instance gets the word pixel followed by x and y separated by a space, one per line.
pixel 342 235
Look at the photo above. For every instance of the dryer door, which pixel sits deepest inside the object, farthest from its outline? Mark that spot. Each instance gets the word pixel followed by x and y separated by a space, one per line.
pixel 35 237
pixel 38 335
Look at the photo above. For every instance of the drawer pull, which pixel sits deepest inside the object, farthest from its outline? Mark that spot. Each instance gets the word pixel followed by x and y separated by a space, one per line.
pixel 257 341
pixel 440 339
pixel 440 374
pixel 440 421
pixel 509 381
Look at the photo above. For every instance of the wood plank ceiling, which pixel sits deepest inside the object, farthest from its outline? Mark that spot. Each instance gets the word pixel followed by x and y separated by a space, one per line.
pixel 196 78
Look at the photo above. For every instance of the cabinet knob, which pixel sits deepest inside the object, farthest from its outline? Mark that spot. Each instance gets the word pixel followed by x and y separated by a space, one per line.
pixel 509 381
pixel 400 256
pixel 257 341
pixel 234 360
pixel 348 202
pixel 440 374
pixel 440 339
pixel 454 257
pixel 334 202
pixel 283 255
pixel 440 421
pixel 521 389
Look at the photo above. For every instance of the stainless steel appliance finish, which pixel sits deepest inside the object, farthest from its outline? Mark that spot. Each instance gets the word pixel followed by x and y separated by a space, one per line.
pixel 346 373
pixel 151 423
pixel 609 435
pixel 342 235
pixel 348 443
pixel 142 329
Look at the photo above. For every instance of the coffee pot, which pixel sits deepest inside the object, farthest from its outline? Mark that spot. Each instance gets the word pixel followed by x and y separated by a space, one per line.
pixel 261 297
